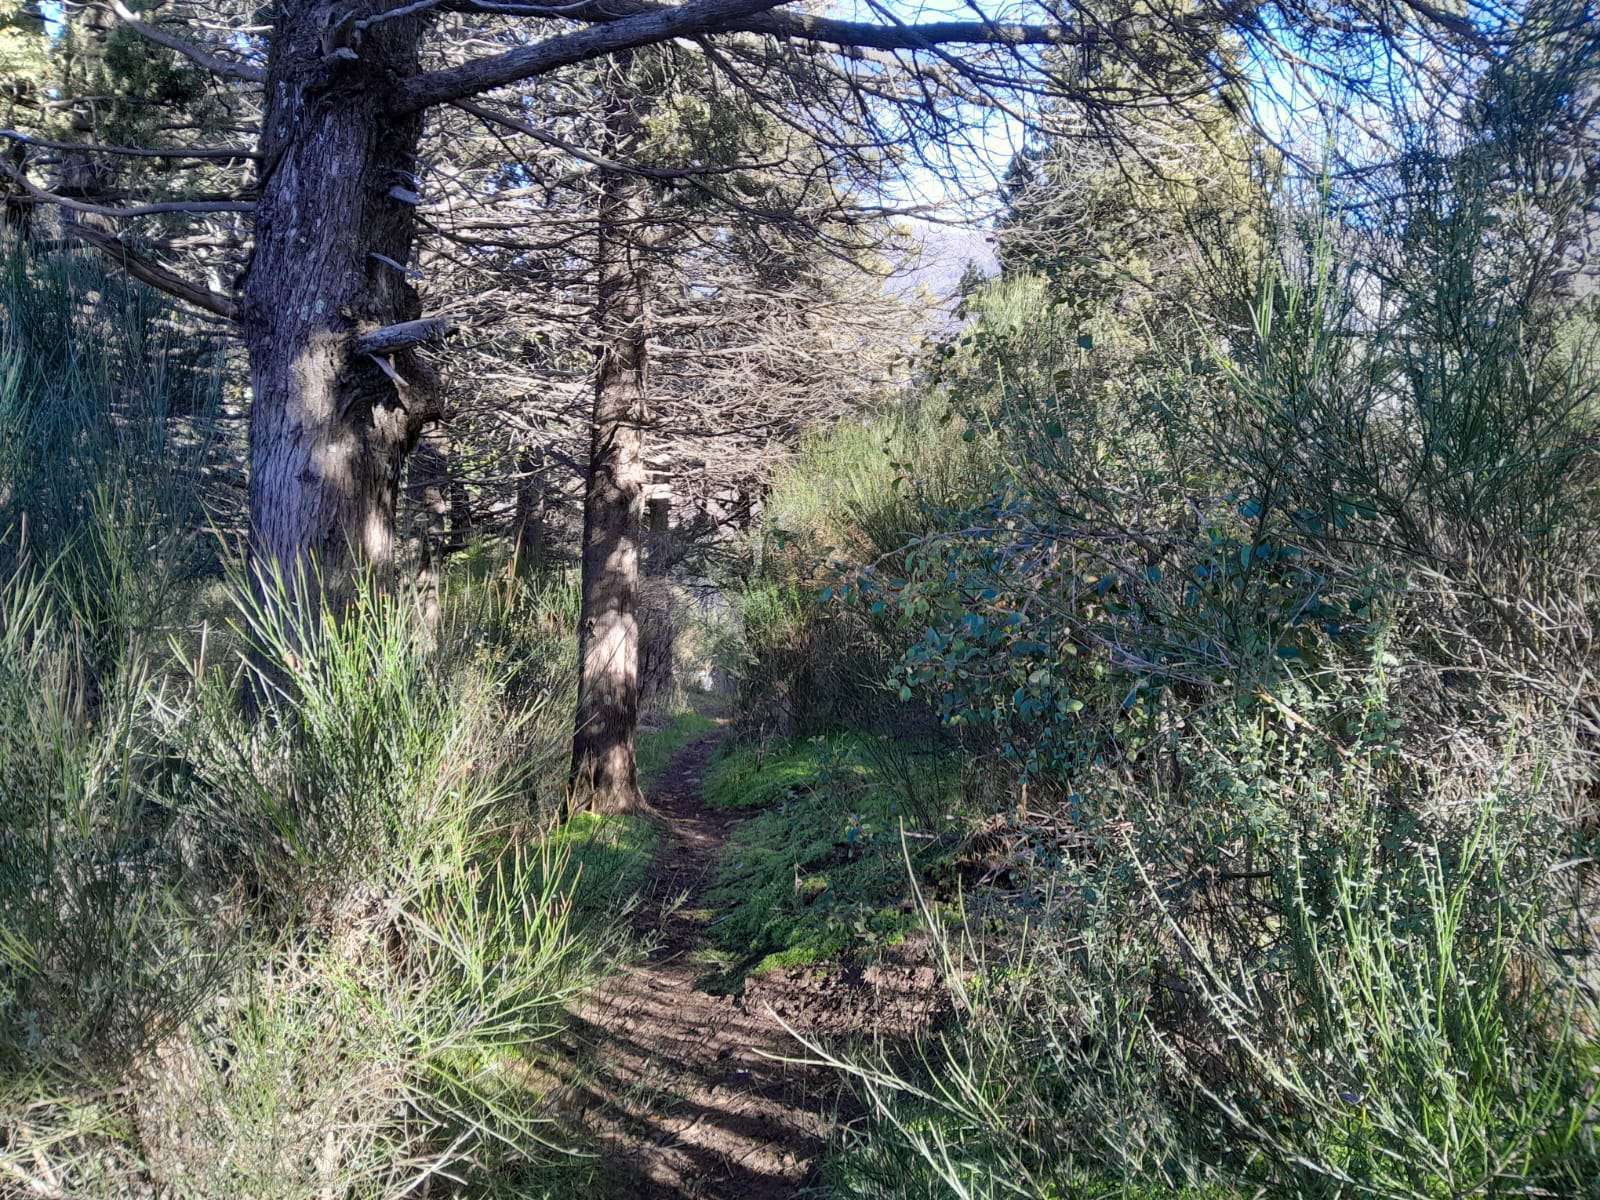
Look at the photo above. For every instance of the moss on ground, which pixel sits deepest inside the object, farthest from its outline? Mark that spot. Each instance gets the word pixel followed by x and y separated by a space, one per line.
pixel 751 775
pixel 823 870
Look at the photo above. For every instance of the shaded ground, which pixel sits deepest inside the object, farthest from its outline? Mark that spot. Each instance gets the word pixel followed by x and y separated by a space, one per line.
pixel 678 1084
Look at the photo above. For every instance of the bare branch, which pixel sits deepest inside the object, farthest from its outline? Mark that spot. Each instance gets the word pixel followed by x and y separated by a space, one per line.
pixel 157 276
pixel 665 174
pixel 805 26
pixel 227 68
pixel 108 210
pixel 646 28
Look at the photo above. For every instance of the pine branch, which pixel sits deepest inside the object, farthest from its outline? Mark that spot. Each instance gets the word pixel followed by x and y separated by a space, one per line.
pixel 108 210
pixel 643 29
pixel 197 152
pixel 201 57
pixel 152 273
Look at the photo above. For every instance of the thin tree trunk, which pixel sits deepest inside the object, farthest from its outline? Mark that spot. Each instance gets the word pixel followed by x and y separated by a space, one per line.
pixel 80 175
pixel 657 624
pixel 330 429
pixel 530 511
pixel 16 207
pixel 427 493
pixel 460 507
pixel 605 774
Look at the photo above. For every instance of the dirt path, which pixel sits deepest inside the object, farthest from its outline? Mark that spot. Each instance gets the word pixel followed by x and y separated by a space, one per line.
pixel 678 1085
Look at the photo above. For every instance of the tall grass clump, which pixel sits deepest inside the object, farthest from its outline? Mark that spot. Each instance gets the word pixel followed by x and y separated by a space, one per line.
pixel 313 951
pixel 111 451
pixel 303 954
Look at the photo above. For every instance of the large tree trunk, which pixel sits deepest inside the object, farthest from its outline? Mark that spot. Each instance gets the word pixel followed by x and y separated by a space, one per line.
pixel 330 429
pixel 604 771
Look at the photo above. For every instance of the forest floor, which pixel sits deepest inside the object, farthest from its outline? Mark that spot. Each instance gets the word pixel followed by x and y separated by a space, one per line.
pixel 688 1083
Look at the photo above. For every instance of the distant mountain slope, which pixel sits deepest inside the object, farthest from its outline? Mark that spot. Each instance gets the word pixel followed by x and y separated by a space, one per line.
pixel 938 259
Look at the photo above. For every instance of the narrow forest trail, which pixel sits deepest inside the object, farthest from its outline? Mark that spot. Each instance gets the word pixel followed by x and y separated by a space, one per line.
pixel 680 1087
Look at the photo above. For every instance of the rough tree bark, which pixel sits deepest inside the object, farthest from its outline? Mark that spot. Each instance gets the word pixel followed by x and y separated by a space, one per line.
pixel 605 775
pixel 530 510
pixel 657 625
pixel 330 428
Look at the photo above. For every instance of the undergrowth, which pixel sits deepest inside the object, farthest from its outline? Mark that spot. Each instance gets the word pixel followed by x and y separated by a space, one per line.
pixel 302 953
pixel 1266 633
pixel 821 869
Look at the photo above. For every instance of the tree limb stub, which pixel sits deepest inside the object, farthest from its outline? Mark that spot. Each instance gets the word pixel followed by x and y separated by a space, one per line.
pixel 407 334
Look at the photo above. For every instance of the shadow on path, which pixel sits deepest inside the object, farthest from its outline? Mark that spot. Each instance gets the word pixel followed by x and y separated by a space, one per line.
pixel 673 1083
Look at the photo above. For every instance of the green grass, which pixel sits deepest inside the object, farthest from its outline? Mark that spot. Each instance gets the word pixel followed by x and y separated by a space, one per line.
pixel 610 858
pixel 656 748
pixel 821 871
pixel 755 775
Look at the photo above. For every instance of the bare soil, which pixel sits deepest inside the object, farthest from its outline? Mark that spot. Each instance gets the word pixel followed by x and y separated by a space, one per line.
pixel 685 1090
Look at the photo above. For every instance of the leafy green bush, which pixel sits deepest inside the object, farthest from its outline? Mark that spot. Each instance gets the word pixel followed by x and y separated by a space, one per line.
pixel 1272 640
pixel 852 494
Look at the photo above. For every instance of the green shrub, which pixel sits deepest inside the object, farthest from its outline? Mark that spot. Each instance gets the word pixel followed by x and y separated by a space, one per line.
pixel 102 952
pixel 1271 638
pixel 304 953
pixel 1373 1005
pixel 851 494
